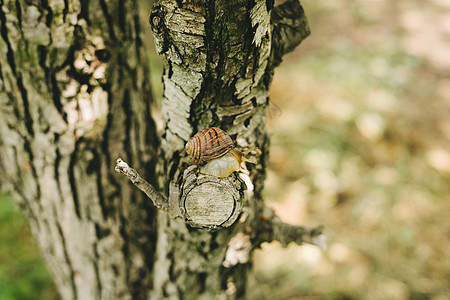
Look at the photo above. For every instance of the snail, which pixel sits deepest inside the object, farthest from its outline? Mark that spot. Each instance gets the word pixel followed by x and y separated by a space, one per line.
pixel 214 152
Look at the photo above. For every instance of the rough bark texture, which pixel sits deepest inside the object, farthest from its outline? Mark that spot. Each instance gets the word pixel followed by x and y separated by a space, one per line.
pixel 74 96
pixel 219 60
pixel 217 53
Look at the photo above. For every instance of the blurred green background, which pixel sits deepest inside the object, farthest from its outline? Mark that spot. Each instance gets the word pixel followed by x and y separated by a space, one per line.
pixel 360 126
pixel 22 273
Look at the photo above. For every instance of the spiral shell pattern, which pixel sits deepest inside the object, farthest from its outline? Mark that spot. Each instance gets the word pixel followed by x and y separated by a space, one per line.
pixel 208 144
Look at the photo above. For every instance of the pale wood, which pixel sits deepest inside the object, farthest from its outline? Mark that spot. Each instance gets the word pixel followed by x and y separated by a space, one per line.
pixel 209 202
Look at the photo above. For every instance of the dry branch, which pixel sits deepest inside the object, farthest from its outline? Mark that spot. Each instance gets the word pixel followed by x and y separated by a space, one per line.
pixel 158 199
pixel 271 228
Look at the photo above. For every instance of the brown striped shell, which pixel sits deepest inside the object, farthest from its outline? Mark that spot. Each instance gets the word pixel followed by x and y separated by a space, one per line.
pixel 208 144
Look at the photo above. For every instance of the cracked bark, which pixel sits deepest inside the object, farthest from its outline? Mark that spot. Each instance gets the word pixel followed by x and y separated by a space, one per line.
pixel 219 61
pixel 74 96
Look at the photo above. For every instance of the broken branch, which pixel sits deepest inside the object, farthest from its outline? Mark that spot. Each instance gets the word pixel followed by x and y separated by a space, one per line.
pixel 158 199
pixel 272 228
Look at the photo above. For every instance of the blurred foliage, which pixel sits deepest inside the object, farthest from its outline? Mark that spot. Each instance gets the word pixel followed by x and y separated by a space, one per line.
pixel 360 129
pixel 22 272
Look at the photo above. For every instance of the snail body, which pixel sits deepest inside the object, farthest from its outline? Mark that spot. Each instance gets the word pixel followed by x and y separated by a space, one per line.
pixel 214 152
pixel 223 166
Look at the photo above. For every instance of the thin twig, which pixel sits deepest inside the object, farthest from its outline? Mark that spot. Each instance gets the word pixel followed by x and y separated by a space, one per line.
pixel 158 199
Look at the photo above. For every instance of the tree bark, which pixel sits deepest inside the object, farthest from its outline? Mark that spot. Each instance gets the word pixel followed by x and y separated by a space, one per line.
pixel 219 61
pixel 74 93
pixel 75 96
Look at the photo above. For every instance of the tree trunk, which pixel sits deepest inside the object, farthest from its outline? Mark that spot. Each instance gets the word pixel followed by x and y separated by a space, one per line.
pixel 74 96
pixel 219 60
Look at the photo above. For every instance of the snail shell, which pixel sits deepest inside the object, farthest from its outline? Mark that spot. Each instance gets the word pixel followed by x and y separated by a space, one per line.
pixel 213 150
pixel 208 144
